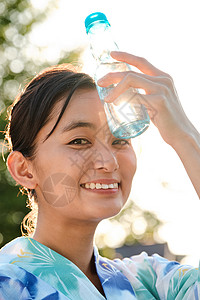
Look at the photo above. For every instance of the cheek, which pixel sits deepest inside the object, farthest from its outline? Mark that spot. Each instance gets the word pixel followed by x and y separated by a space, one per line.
pixel 57 177
pixel 128 165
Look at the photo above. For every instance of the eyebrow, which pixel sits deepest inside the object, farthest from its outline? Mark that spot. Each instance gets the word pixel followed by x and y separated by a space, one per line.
pixel 77 124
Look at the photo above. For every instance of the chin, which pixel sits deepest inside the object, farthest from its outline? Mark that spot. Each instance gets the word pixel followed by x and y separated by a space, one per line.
pixel 107 212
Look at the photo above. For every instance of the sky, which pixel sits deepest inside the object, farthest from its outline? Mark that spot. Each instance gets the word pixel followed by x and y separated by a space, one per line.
pixel 166 32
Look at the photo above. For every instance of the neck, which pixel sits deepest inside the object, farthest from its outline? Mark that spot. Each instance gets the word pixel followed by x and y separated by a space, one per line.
pixel 72 240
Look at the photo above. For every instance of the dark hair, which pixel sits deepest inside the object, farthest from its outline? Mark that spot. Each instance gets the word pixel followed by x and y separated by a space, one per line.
pixel 32 109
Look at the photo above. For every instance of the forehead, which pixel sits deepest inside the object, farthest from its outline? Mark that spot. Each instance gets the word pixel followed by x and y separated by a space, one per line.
pixel 84 105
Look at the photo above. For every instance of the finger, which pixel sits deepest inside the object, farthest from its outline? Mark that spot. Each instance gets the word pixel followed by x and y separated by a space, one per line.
pixel 111 78
pixel 158 105
pixel 116 77
pixel 131 80
pixel 153 103
pixel 139 62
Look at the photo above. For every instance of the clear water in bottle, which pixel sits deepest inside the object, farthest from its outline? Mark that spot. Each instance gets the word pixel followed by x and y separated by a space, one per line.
pixel 126 116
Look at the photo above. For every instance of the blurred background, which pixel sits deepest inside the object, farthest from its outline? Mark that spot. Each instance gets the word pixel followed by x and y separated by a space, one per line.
pixel 162 214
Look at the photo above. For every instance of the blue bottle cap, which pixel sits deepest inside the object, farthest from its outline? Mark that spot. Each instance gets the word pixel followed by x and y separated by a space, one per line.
pixel 93 18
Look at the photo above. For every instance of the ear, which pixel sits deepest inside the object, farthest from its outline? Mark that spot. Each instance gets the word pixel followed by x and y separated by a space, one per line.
pixel 20 169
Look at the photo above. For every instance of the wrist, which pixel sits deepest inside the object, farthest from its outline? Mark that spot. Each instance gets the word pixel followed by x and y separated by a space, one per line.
pixel 190 137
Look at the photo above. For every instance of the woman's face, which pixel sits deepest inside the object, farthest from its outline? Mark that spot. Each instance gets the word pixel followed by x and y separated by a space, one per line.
pixel 82 171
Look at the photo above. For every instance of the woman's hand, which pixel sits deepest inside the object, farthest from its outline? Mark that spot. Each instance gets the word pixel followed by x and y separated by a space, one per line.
pixel 161 99
pixel 164 108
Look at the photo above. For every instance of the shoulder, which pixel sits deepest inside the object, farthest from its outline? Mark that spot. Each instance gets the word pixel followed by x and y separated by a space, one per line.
pixel 163 278
pixel 13 282
pixel 140 262
pixel 17 283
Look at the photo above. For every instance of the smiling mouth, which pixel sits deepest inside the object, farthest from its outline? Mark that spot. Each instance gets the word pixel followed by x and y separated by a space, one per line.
pixel 100 186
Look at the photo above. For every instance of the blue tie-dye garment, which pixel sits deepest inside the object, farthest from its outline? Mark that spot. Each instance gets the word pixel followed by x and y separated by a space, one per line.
pixel 30 270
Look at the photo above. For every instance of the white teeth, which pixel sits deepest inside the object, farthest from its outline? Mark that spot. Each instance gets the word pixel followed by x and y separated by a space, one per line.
pixel 99 186
pixel 104 186
pixel 92 185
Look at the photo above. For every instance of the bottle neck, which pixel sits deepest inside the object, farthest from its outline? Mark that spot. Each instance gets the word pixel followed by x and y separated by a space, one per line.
pixel 101 42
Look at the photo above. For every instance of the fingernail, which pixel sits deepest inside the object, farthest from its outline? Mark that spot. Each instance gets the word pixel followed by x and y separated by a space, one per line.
pixel 108 98
pixel 100 81
pixel 114 52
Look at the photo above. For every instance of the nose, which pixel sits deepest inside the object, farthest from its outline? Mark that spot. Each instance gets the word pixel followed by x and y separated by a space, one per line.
pixel 105 159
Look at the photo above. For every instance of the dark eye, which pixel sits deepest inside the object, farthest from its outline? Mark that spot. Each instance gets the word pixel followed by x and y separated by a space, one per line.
pixel 79 142
pixel 121 142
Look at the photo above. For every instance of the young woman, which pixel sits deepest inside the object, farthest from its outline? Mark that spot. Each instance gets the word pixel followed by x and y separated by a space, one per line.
pixel 77 174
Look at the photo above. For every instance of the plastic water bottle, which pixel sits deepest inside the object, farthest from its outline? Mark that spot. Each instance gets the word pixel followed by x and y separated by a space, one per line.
pixel 127 118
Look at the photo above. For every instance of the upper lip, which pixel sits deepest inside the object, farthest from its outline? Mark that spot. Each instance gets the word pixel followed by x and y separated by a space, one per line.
pixel 103 181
